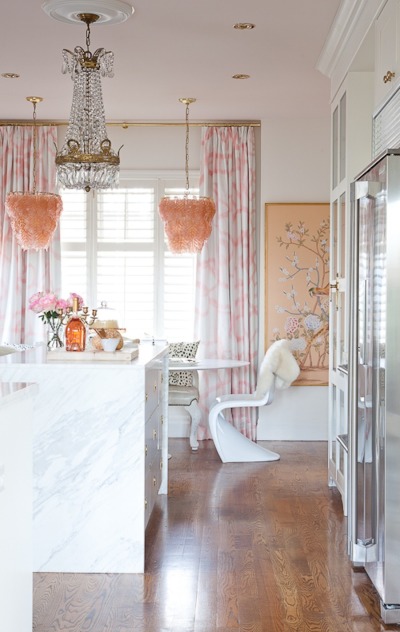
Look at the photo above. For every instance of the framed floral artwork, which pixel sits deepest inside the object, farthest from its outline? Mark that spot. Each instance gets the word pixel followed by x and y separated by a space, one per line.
pixel 297 285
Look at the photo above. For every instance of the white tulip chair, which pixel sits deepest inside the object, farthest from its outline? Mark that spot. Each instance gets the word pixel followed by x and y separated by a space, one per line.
pixel 278 369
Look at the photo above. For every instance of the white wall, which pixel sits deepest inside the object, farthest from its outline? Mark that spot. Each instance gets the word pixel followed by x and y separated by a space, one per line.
pixel 295 167
pixel 161 147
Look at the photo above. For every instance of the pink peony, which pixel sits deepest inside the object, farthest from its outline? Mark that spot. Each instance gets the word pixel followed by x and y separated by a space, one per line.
pixel 48 302
pixel 34 302
pixel 62 304
pixel 72 296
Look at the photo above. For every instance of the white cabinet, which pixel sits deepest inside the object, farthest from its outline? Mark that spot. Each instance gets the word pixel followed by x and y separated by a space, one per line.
pixel 387 51
pixel 351 151
pixel 154 420
pixel 16 404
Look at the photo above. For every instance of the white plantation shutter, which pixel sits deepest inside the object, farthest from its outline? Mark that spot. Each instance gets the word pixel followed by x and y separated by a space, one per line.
pixel 74 236
pixel 114 250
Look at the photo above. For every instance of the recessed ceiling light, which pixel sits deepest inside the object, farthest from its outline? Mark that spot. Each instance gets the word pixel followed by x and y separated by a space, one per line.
pixel 239 76
pixel 244 26
pixel 10 75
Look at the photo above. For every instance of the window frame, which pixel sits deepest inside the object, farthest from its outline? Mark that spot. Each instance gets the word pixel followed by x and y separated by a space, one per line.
pixel 161 181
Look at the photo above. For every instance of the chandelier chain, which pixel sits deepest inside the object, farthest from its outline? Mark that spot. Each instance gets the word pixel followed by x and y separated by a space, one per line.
pixel 187 150
pixel 34 146
pixel 88 36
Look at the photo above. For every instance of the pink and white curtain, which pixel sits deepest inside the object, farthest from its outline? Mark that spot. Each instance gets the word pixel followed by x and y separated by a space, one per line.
pixel 22 273
pixel 226 320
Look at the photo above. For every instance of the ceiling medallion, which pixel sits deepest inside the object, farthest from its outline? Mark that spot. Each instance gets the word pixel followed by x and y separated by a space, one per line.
pixel 108 11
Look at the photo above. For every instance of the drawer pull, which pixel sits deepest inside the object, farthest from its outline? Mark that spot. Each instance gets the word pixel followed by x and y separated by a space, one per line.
pixel 162 419
pixel 155 387
pixel 145 503
pixel 154 434
pixel 146 397
pixel 145 449
pixel 154 481
pixel 389 76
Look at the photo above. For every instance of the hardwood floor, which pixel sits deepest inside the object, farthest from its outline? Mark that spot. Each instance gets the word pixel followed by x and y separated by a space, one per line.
pixel 238 547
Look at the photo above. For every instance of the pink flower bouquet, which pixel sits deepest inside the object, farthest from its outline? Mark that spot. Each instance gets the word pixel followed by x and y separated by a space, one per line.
pixel 46 305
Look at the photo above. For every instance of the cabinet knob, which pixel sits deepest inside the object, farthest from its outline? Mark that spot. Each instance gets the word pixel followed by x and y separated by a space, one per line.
pixel 389 76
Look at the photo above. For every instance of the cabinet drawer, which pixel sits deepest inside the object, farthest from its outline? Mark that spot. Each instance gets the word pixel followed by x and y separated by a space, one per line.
pixel 152 484
pixel 152 391
pixel 151 434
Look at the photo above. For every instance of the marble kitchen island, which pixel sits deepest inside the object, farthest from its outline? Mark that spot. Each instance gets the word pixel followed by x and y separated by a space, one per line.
pixel 100 457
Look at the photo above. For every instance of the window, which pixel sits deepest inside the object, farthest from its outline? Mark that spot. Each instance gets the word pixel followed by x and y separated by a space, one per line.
pixel 114 250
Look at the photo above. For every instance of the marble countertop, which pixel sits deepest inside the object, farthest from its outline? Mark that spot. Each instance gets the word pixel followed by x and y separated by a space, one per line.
pixel 37 356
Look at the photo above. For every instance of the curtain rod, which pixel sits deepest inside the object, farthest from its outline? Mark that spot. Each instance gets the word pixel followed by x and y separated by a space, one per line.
pixel 126 124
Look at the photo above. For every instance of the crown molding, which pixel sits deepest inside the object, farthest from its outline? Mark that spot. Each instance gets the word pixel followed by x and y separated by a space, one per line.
pixel 350 26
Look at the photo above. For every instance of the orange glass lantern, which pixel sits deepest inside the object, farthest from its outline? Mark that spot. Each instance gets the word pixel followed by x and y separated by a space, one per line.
pixel 188 220
pixel 33 215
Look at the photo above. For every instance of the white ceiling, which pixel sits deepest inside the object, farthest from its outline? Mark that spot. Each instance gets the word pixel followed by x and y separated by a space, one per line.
pixel 175 48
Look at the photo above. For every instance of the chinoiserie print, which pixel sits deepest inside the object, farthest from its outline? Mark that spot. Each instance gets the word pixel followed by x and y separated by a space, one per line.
pixel 297 284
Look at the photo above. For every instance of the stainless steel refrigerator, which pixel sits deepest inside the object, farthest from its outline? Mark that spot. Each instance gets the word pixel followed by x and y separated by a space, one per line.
pixel 374 379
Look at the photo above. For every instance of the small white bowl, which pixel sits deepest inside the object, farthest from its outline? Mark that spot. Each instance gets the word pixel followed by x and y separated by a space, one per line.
pixel 109 344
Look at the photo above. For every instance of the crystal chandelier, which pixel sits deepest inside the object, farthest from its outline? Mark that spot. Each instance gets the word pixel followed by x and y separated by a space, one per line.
pixel 188 220
pixel 86 160
pixel 33 215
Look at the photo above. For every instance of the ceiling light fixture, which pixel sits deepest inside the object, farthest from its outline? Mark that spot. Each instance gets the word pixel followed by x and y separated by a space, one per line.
pixel 188 220
pixel 86 160
pixel 33 215
pixel 10 75
pixel 240 76
pixel 244 26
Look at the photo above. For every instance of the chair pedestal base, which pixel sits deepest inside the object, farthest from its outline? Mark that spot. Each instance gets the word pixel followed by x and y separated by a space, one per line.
pixel 233 447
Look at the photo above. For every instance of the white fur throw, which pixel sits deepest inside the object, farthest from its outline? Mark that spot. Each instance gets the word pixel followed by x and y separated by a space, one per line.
pixel 278 364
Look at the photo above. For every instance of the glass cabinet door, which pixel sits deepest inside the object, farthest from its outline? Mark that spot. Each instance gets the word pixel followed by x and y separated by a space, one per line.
pixel 338 370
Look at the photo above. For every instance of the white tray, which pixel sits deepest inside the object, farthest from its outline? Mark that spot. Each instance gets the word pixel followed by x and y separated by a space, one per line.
pixel 125 355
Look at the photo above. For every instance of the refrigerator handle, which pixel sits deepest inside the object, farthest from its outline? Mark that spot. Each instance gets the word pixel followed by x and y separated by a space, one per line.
pixel 363 337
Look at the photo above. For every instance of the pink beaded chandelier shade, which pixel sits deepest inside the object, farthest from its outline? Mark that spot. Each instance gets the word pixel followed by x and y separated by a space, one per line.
pixel 33 215
pixel 187 220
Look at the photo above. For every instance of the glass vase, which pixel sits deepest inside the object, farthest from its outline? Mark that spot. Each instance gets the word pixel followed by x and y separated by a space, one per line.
pixel 54 334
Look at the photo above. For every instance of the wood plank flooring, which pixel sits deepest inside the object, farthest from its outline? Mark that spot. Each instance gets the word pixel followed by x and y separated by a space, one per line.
pixel 236 548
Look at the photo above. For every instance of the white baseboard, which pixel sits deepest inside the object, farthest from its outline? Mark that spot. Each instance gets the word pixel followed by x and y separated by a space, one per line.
pixel 299 413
